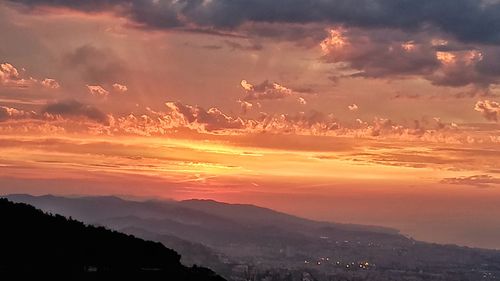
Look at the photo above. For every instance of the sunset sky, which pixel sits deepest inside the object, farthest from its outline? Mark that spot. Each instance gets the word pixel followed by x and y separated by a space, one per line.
pixel 358 111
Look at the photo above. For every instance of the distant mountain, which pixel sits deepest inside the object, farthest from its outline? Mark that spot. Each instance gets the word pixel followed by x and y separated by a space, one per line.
pixel 194 211
pixel 37 246
pixel 254 215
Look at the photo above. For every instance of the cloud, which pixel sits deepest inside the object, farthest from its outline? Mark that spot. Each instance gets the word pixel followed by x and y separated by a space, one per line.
pixel 8 73
pixel 392 54
pixel 353 107
pixel 96 65
pixel 72 109
pixel 9 113
pixel 247 86
pixel 489 109
pixel 119 88
pixel 196 117
pixel 10 77
pixel 449 43
pixel 466 20
pixel 378 54
pixel 311 123
pixel 268 91
pixel 233 45
pixel 301 123
pixel 98 91
pixel 75 117
pixel 477 181
pixel 245 106
pixel 50 83
pixel 211 47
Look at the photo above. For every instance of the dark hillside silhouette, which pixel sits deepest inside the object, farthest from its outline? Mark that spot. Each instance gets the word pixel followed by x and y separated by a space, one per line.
pixel 37 246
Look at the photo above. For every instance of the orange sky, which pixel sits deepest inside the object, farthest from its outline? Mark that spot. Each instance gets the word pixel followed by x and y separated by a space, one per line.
pixel 321 118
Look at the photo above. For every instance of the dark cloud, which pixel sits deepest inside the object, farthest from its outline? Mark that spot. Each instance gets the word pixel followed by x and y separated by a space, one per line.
pixel 212 47
pixel 271 91
pixel 376 54
pixel 393 54
pixel 233 45
pixel 380 31
pixel 97 66
pixel 467 20
pixel 72 108
pixel 265 91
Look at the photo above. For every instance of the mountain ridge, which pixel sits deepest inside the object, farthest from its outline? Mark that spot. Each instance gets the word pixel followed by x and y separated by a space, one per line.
pixel 194 204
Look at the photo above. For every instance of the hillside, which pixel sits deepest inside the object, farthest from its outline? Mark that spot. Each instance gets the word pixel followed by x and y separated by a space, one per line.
pixel 36 244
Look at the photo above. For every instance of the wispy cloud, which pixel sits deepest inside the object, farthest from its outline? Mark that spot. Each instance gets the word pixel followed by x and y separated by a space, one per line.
pixel 476 180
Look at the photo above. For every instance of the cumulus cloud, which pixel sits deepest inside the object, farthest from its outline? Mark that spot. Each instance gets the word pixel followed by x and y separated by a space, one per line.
pixel 312 122
pixel 119 88
pixel 8 72
pixel 210 120
pixel 9 113
pixel 10 76
pixel 98 91
pixel 73 116
pixel 489 109
pixel 378 54
pixel 50 83
pixel 476 180
pixel 390 54
pixel 245 85
pixel 268 91
pixel 245 106
pixel 353 107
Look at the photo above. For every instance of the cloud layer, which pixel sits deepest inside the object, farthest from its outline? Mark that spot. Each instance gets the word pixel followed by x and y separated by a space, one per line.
pixel 467 20
pixel 74 116
pixel 449 43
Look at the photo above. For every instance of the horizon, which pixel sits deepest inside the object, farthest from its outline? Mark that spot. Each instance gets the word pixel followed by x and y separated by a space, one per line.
pixel 368 112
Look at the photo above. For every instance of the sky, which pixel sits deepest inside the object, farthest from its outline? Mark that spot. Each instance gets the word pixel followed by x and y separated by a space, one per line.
pixel 374 112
